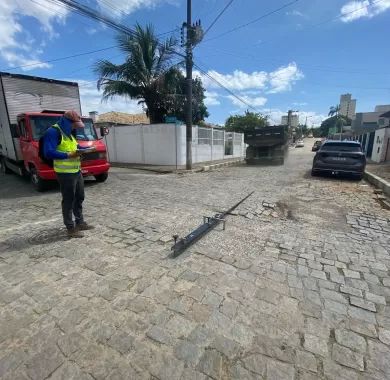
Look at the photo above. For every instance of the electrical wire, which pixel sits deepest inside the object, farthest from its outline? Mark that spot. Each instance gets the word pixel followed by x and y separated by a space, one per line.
pixel 224 87
pixel 253 21
pixel 218 16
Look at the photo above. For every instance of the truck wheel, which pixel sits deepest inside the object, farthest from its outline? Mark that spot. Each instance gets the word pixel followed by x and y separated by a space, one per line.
pixel 101 177
pixel 3 167
pixel 38 183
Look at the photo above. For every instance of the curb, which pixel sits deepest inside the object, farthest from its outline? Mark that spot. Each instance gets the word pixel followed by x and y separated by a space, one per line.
pixel 208 168
pixel 378 182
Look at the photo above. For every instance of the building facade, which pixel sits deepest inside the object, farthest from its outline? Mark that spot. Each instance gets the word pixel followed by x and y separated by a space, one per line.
pixel 347 106
pixel 294 121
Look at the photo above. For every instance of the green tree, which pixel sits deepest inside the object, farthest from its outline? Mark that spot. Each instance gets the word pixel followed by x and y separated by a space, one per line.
pixel 245 123
pixel 331 122
pixel 175 98
pixel 145 73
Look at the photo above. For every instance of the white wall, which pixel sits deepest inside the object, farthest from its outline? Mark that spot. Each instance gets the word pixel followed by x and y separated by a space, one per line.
pixel 381 144
pixel 165 144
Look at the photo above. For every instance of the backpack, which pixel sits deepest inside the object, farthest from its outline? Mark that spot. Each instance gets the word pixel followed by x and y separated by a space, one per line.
pixel 41 149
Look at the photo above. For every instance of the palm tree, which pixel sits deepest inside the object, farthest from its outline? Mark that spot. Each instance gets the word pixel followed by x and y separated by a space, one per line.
pixel 144 73
pixel 334 110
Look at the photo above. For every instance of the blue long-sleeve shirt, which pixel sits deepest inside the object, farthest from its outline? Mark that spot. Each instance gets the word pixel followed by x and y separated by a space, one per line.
pixel 52 138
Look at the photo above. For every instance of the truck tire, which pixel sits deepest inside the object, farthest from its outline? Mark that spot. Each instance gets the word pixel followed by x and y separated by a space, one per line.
pixel 3 167
pixel 38 183
pixel 101 177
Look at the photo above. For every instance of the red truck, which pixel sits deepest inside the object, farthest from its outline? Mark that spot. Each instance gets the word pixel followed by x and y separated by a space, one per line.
pixel 28 106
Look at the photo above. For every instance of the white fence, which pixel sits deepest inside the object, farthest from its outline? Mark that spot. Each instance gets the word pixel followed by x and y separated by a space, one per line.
pixel 165 144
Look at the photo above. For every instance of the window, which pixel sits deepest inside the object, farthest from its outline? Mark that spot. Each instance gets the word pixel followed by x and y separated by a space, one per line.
pixel 40 124
pixel 22 128
pixel 377 139
pixel 340 147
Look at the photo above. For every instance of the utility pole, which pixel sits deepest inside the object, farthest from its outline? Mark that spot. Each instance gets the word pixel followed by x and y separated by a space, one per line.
pixel 193 37
pixel 189 88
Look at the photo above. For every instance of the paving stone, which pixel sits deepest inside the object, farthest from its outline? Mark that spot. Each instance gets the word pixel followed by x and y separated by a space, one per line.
pixel 44 363
pixel 121 341
pixel 280 349
pixel 306 360
pixel 335 307
pixel 188 352
pixel 238 372
pixel 377 358
pixel 351 340
pixel 351 291
pixel 332 295
pixel 351 273
pixel 213 364
pixel 363 328
pixel 384 336
pixel 69 371
pixel 375 298
pixel 318 274
pixel 347 357
pixel 334 371
pixel 279 371
pixel 363 304
pixel 256 363
pixel 226 346
pixel 315 344
pixel 159 335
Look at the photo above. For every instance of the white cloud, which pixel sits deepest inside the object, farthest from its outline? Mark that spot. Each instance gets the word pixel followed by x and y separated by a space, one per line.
pixel 295 13
pixel 284 77
pixel 12 33
pixel 238 80
pixel 355 10
pixel 119 8
pixel 91 100
pixel 21 60
pixel 275 116
pixel 257 101
pixel 211 98
pixel 279 80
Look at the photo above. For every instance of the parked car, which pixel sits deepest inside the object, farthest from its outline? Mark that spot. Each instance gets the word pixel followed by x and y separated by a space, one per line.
pixel 299 144
pixel 316 146
pixel 340 157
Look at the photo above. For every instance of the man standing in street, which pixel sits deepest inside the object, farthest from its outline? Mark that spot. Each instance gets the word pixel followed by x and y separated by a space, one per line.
pixel 61 147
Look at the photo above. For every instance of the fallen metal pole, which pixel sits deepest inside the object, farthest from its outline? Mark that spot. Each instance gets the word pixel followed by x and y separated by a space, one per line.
pixel 209 223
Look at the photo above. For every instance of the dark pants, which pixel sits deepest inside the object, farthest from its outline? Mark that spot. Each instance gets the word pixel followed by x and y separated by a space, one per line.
pixel 72 190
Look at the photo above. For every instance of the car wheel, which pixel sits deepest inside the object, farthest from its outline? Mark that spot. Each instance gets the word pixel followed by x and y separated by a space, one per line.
pixel 101 177
pixel 38 183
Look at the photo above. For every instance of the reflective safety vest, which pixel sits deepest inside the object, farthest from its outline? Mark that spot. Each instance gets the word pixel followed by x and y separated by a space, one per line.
pixel 68 144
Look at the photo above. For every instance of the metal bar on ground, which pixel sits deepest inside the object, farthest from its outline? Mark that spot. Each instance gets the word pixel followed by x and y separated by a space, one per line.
pixel 209 223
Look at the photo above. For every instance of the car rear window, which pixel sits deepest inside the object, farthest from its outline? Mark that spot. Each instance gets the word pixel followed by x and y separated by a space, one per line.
pixel 340 147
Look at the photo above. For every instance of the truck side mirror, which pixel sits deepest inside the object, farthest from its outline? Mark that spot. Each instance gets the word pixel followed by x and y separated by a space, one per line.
pixel 104 131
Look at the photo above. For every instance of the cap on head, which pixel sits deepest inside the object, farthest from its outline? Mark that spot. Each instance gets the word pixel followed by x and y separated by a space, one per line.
pixel 75 118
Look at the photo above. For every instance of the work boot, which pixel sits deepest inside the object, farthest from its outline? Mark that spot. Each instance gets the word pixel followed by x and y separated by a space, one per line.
pixel 74 233
pixel 84 226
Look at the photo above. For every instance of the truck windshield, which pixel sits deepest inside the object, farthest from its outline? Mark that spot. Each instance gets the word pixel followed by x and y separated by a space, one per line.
pixel 40 124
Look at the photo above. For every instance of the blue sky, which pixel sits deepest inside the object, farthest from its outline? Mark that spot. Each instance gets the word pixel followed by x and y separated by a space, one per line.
pixel 301 57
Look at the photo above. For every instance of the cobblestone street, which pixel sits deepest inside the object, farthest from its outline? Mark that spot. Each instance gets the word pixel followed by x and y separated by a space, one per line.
pixel 296 288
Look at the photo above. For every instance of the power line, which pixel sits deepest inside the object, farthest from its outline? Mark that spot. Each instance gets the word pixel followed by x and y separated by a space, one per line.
pixel 224 87
pixel 319 68
pixel 254 21
pixel 60 59
pixel 219 16
pixel 348 13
